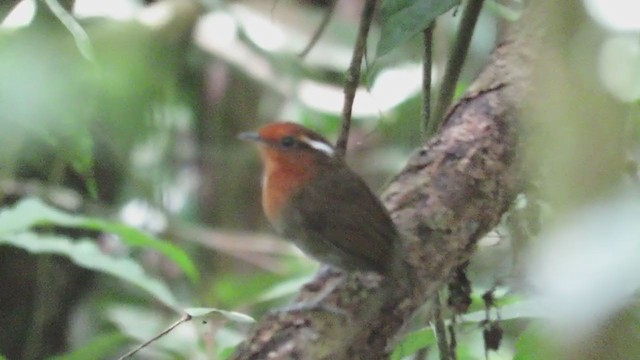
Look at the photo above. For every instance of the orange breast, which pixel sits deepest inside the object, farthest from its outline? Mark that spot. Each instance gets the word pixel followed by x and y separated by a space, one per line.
pixel 284 173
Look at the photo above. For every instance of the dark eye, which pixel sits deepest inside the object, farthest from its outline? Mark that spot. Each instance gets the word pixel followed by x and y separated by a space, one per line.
pixel 288 141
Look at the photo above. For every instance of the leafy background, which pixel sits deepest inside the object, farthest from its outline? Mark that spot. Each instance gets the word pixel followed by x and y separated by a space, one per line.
pixel 126 200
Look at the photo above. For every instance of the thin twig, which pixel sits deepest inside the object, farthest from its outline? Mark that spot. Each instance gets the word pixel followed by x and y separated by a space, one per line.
pixel 453 343
pixel 440 329
pixel 455 62
pixel 421 354
pixel 186 317
pixel 320 30
pixel 426 78
pixel 353 74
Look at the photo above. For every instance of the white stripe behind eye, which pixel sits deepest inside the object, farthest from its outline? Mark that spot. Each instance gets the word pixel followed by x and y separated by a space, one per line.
pixel 318 145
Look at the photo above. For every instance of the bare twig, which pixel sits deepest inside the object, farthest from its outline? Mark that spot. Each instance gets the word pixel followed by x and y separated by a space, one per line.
pixel 421 354
pixel 261 250
pixel 440 329
pixel 426 78
pixel 453 342
pixel 320 30
pixel 455 62
pixel 186 317
pixel 353 74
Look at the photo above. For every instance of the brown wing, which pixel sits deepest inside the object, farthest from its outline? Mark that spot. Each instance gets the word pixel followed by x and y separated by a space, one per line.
pixel 343 223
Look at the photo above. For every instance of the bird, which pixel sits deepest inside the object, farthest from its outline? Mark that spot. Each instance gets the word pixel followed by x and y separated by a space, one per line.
pixel 312 198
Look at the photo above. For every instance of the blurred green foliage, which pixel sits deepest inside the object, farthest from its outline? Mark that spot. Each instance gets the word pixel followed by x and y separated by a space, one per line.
pixel 402 20
pixel 100 347
pixel 533 344
pixel 413 342
pixel 146 112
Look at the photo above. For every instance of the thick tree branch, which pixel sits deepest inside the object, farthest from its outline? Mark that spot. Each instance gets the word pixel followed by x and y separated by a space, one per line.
pixel 452 191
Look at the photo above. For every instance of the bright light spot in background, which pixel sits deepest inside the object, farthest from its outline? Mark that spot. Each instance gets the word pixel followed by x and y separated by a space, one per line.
pixel 589 267
pixel 218 27
pixel 21 15
pixel 156 15
pixel 115 9
pixel 329 99
pixel 619 66
pixel 262 32
pixel 395 85
pixel 618 15
pixel 391 88
pixel 140 214
pixel 321 97
pixel 619 57
pixel 177 195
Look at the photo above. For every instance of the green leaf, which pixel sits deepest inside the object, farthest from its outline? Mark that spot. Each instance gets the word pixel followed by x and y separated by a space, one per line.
pixel 231 315
pixel 532 345
pixel 403 19
pixel 31 211
pixel 283 289
pixel 226 352
pixel 98 348
pixel 510 308
pixel 85 253
pixel 182 342
pixel 232 290
pixel 79 35
pixel 78 152
pixel 413 342
pixel 227 340
pixel 135 237
pixel 141 324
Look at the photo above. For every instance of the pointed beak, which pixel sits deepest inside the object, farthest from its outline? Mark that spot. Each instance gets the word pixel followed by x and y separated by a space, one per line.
pixel 250 136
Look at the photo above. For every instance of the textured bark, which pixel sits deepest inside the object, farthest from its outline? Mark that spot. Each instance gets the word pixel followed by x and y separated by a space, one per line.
pixel 452 191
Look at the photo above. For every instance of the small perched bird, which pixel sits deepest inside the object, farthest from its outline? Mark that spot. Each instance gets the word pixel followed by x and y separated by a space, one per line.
pixel 311 197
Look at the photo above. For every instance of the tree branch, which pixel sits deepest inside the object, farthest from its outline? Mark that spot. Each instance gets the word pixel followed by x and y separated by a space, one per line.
pixel 454 63
pixel 353 74
pixel 323 25
pixel 440 329
pixel 427 36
